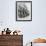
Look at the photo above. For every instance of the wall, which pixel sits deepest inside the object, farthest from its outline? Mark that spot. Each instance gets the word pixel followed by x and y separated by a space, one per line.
pixel 31 30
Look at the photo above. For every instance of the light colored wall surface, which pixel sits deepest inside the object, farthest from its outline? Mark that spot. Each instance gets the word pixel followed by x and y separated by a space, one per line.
pixel 31 30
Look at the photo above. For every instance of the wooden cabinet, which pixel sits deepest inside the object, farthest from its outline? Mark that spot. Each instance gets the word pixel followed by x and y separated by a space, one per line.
pixel 11 40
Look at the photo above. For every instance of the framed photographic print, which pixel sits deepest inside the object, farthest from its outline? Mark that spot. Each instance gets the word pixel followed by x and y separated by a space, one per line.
pixel 38 44
pixel 23 10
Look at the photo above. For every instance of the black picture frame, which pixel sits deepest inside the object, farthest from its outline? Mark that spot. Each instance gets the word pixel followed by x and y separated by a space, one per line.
pixel 30 10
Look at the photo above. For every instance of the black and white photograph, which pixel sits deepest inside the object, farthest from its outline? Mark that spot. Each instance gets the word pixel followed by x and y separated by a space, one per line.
pixel 23 10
